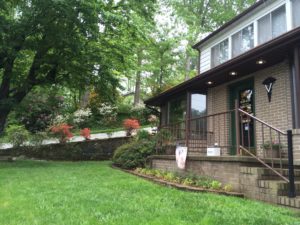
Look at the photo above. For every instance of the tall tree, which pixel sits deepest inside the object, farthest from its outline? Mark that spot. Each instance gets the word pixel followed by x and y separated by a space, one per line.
pixel 70 42
pixel 202 17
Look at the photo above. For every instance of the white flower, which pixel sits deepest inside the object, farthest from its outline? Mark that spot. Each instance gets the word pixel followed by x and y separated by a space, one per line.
pixel 81 115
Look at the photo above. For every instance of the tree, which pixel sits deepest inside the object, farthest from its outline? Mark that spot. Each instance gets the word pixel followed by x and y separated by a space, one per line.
pixel 202 17
pixel 68 42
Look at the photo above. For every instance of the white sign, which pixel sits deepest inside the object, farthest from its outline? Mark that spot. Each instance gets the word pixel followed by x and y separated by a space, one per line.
pixel 213 151
pixel 181 154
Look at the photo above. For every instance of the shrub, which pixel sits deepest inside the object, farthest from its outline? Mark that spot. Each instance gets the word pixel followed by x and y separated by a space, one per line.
pixel 108 112
pixel 130 125
pixel 133 154
pixel 141 113
pixel 169 176
pixel 62 132
pixel 59 119
pixel 81 117
pixel 38 109
pixel 17 135
pixel 188 181
pixel 216 185
pixel 38 138
pixel 228 188
pixel 143 135
pixel 86 133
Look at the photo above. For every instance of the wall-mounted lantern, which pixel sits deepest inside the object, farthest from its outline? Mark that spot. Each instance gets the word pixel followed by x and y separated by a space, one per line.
pixel 269 82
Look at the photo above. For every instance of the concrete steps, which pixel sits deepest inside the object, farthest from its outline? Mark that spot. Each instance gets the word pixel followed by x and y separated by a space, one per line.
pixel 263 184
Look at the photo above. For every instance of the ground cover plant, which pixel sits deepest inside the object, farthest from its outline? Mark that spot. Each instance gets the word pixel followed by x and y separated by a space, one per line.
pixel 189 179
pixel 40 192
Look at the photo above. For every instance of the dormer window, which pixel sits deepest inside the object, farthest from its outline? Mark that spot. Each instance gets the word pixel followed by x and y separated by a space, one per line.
pixel 219 53
pixel 296 14
pixel 272 25
pixel 243 40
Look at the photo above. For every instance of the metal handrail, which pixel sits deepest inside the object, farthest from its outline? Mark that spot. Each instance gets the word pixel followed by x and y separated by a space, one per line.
pixel 259 120
pixel 265 164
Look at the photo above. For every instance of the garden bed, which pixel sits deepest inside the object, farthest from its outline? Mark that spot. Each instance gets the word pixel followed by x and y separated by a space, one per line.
pixel 184 187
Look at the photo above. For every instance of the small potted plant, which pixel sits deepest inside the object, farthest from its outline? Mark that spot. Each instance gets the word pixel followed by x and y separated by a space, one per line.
pixel 272 149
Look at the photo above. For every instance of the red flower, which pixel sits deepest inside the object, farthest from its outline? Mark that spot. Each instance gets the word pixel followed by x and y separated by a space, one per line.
pixel 63 131
pixel 130 125
pixel 86 133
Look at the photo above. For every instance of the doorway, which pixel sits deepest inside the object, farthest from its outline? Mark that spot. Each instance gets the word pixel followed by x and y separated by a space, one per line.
pixel 243 92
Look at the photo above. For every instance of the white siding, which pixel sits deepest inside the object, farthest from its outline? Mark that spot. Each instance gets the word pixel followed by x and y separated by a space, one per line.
pixel 205 60
pixel 252 17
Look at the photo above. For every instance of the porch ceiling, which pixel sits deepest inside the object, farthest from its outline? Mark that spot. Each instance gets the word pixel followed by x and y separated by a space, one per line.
pixel 272 52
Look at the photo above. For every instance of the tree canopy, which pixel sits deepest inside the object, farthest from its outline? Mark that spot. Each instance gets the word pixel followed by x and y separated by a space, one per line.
pixel 70 42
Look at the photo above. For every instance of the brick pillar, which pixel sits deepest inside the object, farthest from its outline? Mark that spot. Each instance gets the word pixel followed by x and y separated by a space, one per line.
pixel 296 144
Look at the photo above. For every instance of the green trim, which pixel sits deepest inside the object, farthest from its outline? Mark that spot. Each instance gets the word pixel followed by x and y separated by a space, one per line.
pixel 234 90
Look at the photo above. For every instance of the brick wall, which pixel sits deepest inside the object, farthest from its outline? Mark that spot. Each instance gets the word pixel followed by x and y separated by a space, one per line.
pixel 225 172
pixel 277 113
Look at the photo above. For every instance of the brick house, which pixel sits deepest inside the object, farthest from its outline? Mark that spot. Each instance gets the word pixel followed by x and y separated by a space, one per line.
pixel 245 100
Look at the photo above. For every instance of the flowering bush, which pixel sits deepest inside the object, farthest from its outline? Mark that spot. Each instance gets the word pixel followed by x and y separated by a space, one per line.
pixel 81 116
pixel 86 133
pixel 59 119
pixel 108 112
pixel 152 119
pixel 38 109
pixel 131 125
pixel 62 131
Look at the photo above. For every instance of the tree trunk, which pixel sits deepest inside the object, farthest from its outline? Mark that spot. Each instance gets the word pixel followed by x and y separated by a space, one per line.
pixel 137 93
pixel 85 99
pixel 3 119
pixel 187 67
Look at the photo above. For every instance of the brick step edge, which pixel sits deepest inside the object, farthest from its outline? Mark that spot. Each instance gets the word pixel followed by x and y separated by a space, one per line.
pixel 180 186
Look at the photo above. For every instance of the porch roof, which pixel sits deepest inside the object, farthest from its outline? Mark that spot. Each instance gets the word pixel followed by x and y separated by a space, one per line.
pixel 272 52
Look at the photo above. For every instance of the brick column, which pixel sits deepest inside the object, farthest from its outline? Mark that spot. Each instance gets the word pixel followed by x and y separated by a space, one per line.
pixel 296 144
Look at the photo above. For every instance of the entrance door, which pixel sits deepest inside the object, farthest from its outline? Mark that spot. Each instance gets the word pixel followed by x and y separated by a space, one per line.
pixel 243 92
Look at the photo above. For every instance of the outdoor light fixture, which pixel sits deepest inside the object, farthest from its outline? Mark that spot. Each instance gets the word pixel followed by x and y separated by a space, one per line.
pixel 209 82
pixel 261 62
pixel 269 82
pixel 233 73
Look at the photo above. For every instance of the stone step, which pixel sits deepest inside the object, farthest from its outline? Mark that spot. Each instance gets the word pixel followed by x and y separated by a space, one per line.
pixel 279 188
pixel 267 174
pixel 289 202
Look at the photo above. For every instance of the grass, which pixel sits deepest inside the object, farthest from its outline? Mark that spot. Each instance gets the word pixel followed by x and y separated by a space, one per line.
pixel 38 192
pixel 105 130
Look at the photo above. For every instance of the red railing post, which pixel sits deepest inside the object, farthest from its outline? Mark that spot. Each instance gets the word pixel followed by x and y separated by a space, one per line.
pixel 237 127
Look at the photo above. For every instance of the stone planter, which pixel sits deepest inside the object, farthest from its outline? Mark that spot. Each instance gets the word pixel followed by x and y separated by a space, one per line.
pixel 271 153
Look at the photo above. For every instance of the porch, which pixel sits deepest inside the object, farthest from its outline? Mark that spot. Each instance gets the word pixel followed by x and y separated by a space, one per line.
pixel 243 140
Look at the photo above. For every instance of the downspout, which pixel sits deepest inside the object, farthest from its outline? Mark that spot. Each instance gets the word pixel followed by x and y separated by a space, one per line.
pixel 295 86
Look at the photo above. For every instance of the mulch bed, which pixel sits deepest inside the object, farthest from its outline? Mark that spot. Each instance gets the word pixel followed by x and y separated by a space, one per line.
pixel 181 186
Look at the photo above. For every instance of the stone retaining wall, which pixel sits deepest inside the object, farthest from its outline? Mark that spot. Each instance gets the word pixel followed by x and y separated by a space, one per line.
pixel 86 150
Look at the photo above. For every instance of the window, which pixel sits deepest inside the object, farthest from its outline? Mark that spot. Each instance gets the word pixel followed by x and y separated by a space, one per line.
pixel 296 14
pixel 198 127
pixel 219 53
pixel 272 25
pixel 243 41
pixel 164 114
pixel 198 105
pixel 177 109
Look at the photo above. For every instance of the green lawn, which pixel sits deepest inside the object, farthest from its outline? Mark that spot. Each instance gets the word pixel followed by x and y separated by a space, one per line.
pixel 93 193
